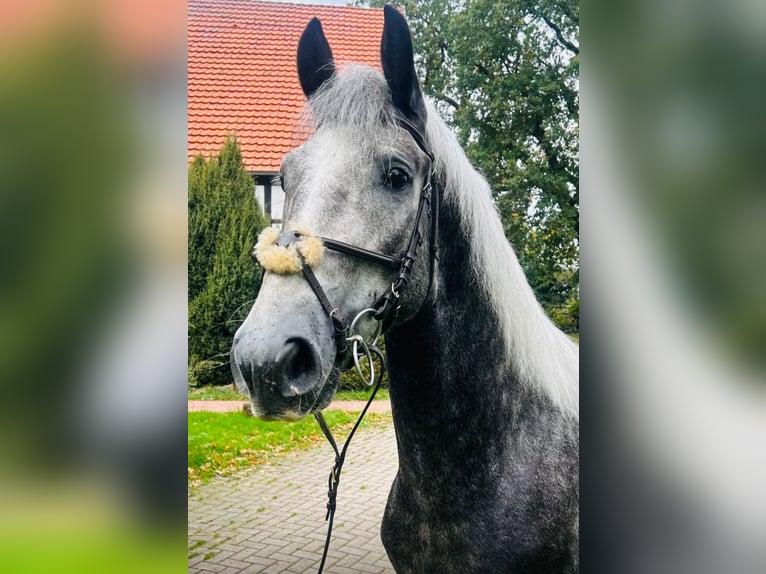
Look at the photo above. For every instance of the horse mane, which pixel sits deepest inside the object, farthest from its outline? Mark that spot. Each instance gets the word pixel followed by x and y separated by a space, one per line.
pixel 537 350
pixel 541 355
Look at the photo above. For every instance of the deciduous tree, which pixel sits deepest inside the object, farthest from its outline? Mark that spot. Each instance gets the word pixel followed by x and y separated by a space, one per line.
pixel 505 76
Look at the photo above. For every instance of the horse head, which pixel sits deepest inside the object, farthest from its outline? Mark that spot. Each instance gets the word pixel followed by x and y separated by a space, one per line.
pixel 358 180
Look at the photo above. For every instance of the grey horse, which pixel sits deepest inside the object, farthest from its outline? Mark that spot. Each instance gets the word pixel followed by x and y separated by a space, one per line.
pixel 484 388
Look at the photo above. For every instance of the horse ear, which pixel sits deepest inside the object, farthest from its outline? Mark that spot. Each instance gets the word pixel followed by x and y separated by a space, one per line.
pixel 315 62
pixel 399 66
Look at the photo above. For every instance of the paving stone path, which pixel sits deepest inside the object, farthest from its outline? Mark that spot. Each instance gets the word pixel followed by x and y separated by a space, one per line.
pixel 271 519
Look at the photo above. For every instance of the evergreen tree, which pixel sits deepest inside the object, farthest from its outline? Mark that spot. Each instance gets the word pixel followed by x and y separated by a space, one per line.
pixel 224 222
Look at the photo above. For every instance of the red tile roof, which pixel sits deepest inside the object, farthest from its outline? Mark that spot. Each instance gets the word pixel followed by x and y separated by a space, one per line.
pixel 242 72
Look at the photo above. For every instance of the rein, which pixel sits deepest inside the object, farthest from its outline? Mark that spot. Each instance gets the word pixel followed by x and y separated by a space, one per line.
pixel 340 455
pixel 383 310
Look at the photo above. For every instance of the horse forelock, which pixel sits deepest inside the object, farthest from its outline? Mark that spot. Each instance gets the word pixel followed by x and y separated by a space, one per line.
pixel 357 100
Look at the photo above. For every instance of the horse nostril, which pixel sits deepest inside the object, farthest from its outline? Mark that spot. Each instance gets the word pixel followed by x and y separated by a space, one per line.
pixel 299 367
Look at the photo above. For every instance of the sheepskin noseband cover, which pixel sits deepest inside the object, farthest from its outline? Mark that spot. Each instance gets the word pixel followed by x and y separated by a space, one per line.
pixel 284 259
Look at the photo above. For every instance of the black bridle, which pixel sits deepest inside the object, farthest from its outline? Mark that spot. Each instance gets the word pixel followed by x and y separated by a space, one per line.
pixel 385 307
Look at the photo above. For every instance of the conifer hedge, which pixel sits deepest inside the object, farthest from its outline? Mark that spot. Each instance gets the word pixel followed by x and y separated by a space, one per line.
pixel 224 222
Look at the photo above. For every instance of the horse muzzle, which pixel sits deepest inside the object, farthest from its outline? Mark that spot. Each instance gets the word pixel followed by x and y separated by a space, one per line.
pixel 284 362
pixel 282 378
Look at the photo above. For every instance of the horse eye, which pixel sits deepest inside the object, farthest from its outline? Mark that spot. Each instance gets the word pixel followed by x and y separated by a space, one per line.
pixel 397 178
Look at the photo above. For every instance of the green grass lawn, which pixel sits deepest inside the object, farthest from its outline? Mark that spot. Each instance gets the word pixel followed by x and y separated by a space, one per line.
pixel 222 443
pixel 226 393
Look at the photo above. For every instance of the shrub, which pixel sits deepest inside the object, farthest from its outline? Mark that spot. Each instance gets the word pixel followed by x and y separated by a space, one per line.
pixel 350 381
pixel 224 222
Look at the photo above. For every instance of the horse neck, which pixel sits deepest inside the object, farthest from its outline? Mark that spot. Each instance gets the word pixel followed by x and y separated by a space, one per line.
pixel 449 377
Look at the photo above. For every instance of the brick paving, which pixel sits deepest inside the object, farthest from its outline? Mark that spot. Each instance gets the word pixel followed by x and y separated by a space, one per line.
pixel 270 519
pixel 217 406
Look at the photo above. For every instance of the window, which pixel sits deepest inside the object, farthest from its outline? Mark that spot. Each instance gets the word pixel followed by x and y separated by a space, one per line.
pixel 260 197
pixel 277 202
pixel 270 197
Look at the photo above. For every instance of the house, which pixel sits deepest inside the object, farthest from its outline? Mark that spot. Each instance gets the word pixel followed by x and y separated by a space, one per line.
pixel 243 79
